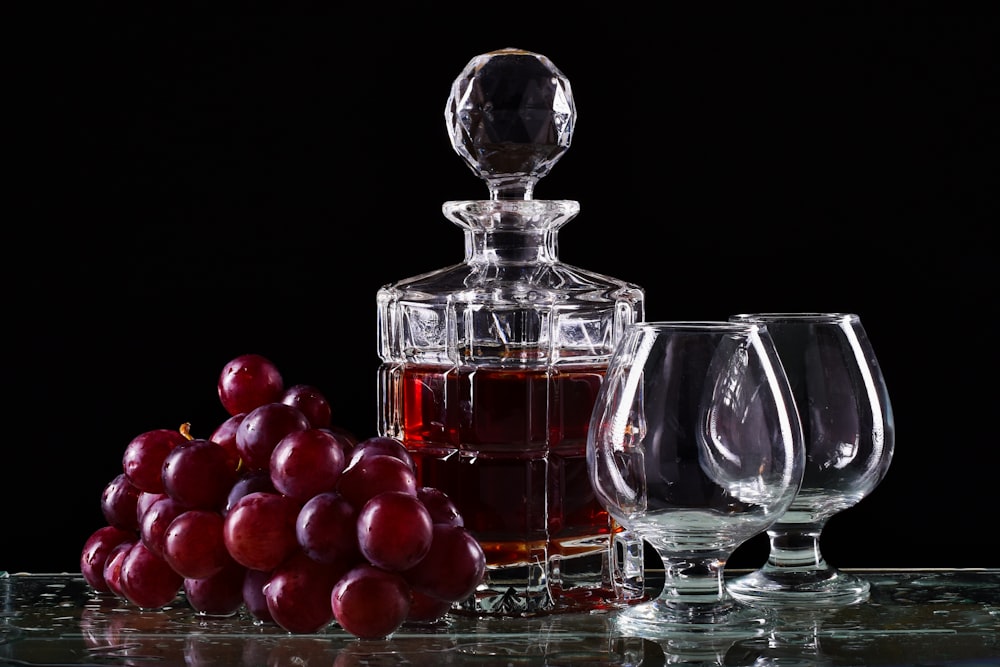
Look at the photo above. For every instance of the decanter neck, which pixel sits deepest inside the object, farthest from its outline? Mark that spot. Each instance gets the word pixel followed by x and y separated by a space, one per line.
pixel 511 231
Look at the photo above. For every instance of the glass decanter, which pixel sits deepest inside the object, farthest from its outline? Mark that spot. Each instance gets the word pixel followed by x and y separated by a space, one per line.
pixel 490 367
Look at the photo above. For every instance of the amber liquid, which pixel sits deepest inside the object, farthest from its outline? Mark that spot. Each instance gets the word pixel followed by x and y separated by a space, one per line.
pixel 509 447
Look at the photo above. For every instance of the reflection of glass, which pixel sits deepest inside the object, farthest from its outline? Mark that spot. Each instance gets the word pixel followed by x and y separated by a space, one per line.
pixel 849 436
pixel 696 446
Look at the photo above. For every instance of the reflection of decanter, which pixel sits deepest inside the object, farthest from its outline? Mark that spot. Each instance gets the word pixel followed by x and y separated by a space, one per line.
pixel 491 366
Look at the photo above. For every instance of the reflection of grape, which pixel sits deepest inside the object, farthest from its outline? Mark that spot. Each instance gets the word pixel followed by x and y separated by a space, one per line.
pixel 283 515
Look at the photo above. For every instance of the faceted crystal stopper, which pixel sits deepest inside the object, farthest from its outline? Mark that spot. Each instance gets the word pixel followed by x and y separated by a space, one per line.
pixel 510 115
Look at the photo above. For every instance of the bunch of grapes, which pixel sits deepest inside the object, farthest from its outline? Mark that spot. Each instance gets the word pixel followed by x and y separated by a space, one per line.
pixel 280 514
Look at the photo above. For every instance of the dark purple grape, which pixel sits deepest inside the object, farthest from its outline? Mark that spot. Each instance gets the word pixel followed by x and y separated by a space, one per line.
pixel 146 499
pixel 394 530
pixel 224 435
pixel 96 550
pixel 380 445
pixel 298 594
pixel 426 609
pixel 247 382
pixel 253 594
pixel 371 475
pixel 147 580
pixel 307 462
pixel 113 567
pixel 256 480
pixel 155 521
pixel 441 507
pixel 453 568
pixel 199 474
pixel 260 530
pixel 194 545
pixel 311 401
pixel 221 594
pixel 326 529
pixel 119 503
pixel 370 603
pixel 263 428
pixel 144 455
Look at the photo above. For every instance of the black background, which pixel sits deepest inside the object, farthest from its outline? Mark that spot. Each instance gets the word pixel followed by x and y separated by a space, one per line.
pixel 196 186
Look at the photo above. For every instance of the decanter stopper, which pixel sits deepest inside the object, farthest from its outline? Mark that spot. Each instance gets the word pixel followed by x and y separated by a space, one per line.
pixel 510 115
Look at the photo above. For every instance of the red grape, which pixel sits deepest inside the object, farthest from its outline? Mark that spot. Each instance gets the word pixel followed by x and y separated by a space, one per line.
pixel 260 529
pixel 143 458
pixel 145 501
pixel 199 474
pixel 311 401
pixel 96 550
pixel 147 580
pixel 371 475
pixel 441 507
pixel 118 503
pixel 249 381
pixel 256 480
pixel 261 430
pixel 454 566
pixel 194 545
pixel 380 445
pixel 308 462
pixel 326 529
pixel 113 567
pixel 156 520
pixel 426 609
pixel 369 602
pixel 283 514
pixel 394 530
pixel 253 594
pixel 224 435
pixel 218 595
pixel 298 594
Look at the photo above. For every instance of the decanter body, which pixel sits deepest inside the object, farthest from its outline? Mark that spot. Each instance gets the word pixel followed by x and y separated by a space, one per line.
pixel 491 366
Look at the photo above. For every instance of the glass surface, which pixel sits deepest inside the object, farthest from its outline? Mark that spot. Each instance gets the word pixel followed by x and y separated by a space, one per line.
pixel 940 617
pixel 695 445
pixel 849 438
pixel 490 366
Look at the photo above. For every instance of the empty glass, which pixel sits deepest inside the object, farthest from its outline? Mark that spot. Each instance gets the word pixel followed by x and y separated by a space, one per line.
pixel 849 436
pixel 695 445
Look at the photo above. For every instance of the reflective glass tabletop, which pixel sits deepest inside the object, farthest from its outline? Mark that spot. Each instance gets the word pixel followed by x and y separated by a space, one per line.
pixel 914 617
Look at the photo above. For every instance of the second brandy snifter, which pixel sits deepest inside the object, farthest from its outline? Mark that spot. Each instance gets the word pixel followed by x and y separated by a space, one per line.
pixel 849 434
pixel 696 446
